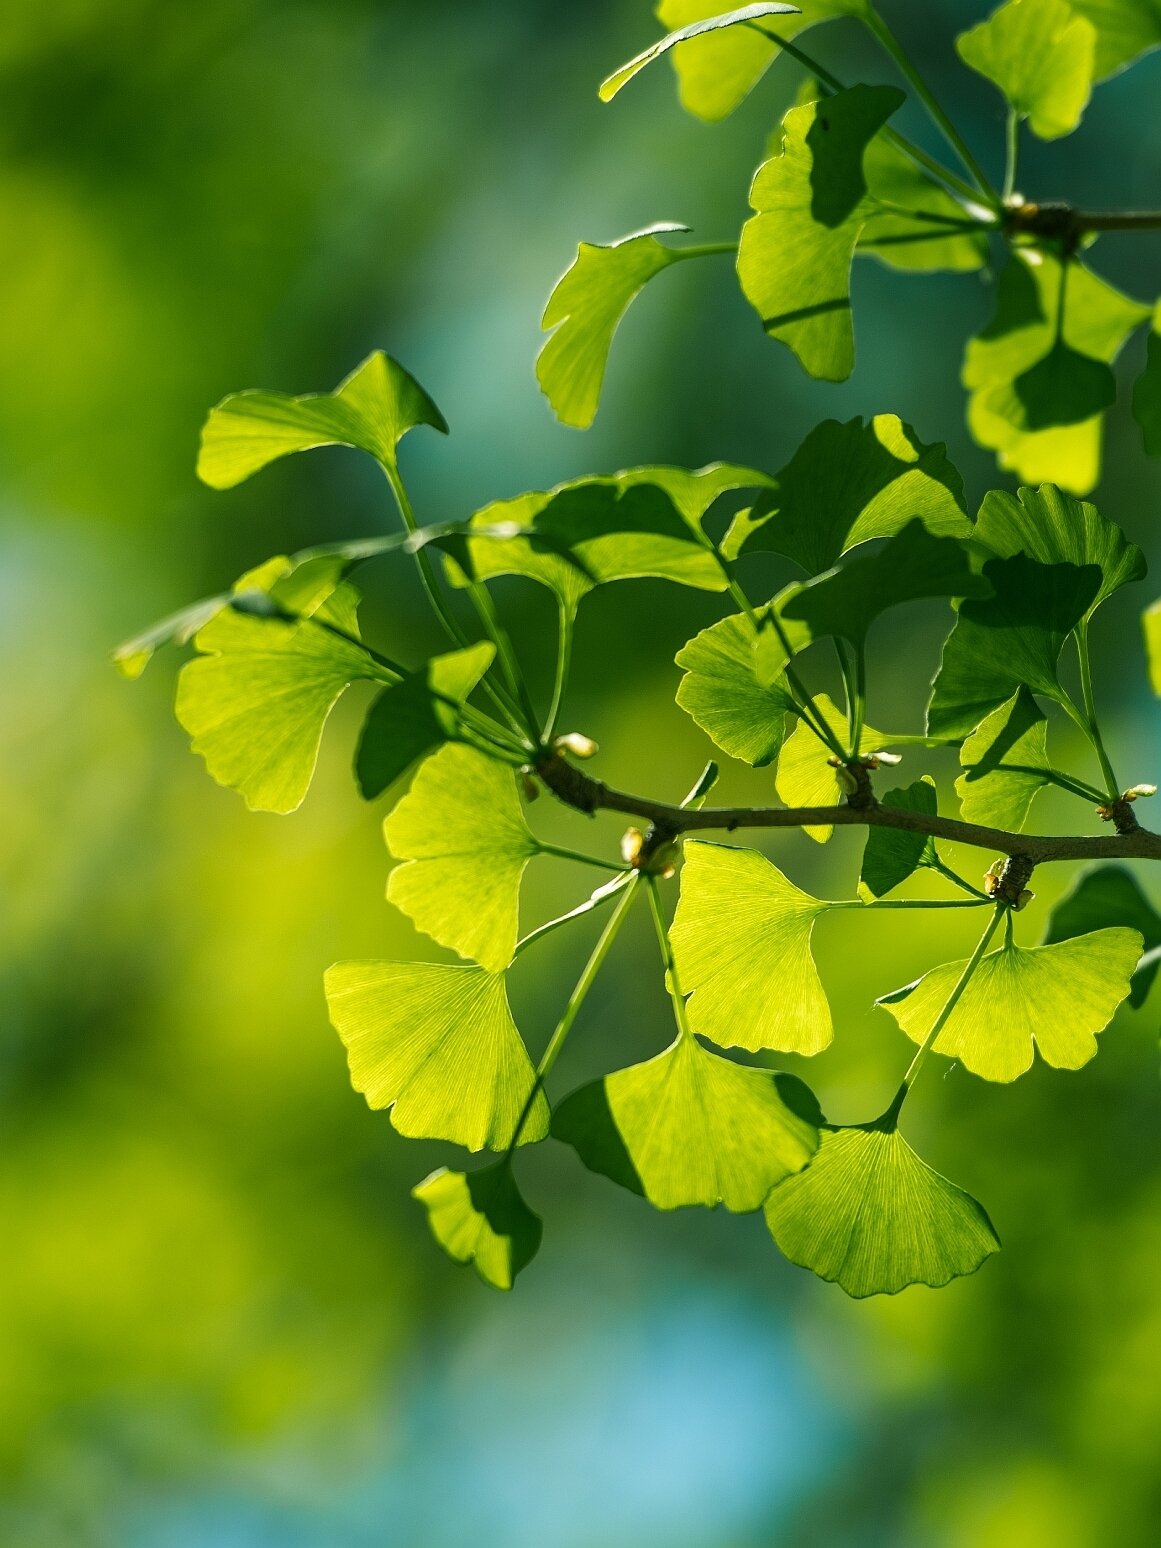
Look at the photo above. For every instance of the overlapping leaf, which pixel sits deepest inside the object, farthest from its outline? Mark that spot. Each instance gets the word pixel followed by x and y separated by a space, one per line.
pixel 899 229
pixel 1125 30
pixel 688 1127
pixel 722 693
pixel 1041 55
pixel 1006 764
pixel 414 717
pixel 1109 895
pixel 481 1218
pixel 807 776
pixel 891 855
pixel 741 937
pixel 689 33
pixel 437 1045
pixel 1054 998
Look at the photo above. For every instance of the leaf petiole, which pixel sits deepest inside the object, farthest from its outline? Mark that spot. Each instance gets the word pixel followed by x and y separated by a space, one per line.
pixel 673 983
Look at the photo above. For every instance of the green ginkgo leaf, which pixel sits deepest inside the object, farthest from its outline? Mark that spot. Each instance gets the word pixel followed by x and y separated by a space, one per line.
pixel 897 185
pixel 849 483
pixel 481 1218
pixel 806 774
pixel 415 716
pixel 437 1045
pixel 1151 627
pixel 1125 30
pixel 721 692
pixel 461 835
pixel 1147 391
pixel 891 855
pixel 1054 998
pixel 373 409
pixel 256 700
pixel 1065 388
pixel 1109 895
pixel 794 261
pixel 584 311
pixel 690 32
pixel 1009 640
pixel 1005 763
pixel 741 936
pixel 869 1215
pixel 688 1127
pixel 1041 55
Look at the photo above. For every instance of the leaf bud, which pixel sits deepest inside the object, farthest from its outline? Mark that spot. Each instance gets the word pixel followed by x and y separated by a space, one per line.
pixel 1134 791
pixel 887 759
pixel 632 843
pixel 578 744
pixel 529 785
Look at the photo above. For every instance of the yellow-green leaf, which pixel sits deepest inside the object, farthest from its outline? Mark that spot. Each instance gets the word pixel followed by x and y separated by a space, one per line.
pixel 481 1218
pixel 1041 55
pixel 687 34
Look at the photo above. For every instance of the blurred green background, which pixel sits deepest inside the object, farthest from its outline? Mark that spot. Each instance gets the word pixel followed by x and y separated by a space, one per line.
pixel 222 1320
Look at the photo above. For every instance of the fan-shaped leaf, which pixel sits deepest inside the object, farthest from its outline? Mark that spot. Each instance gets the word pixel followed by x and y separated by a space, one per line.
pixel 891 855
pixel 438 1046
pixel 721 692
pixel 1041 55
pixel 1151 624
pixel 691 31
pixel 481 1218
pixel 806 776
pixel 1005 762
pixel 1109 895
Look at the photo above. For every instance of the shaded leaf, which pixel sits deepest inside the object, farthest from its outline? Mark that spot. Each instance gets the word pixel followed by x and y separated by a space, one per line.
pixel 741 936
pixel 438 1046
pixel 688 1127
pixel 415 716
pixel 1125 30
pixel 461 833
pixel 686 34
pixel 1005 762
pixel 1056 998
pixel 1147 392
pixel 1109 895
pixel 1041 55
pixel 1065 388
pixel 898 185
pixel 806 776
pixel 722 694
pixel 480 1218
pixel 890 855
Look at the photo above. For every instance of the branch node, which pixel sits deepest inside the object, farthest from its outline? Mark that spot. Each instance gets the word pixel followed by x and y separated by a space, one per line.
pixel 1007 881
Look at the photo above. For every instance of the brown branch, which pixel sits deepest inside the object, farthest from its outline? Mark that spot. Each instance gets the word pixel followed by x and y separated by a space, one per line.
pixel 585 794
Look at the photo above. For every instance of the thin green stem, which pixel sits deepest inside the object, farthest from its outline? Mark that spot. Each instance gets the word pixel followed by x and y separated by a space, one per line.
pixel 680 1014
pixel 509 665
pixel 1090 715
pixel 912 903
pixel 560 681
pixel 598 899
pixel 1011 153
pixel 958 881
pixel 704 250
pixel 858 718
pixel 562 853
pixel 951 1002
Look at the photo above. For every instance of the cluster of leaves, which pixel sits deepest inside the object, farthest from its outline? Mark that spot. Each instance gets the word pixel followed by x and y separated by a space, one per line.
pixel 874 518
pixel 840 182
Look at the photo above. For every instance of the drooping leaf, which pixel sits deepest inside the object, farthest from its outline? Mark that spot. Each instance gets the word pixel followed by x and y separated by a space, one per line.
pixel 722 694
pixel 1109 895
pixel 584 311
pixel 1005 763
pixel 256 700
pixel 848 483
pixel 688 1127
pixel 373 409
pixel 1147 391
pixel 689 33
pixel 806 776
pixel 741 936
pixel 891 855
pixel 1125 30
pixel 481 1218
pixel 1009 640
pixel 869 1215
pixel 461 834
pixel 897 230
pixel 794 261
pixel 1041 55
pixel 1055 528
pixel 1151 625
pixel 415 716
pixel 437 1045
pixel 1056 998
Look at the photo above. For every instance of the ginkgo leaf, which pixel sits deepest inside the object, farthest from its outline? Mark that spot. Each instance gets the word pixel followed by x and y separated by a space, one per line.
pixel 373 409
pixel 794 261
pixel 870 1216
pixel 481 1218
pixel 1151 626
pixel 1056 998
pixel 688 1127
pixel 691 31
pixel 1041 55
pixel 257 699
pixel 848 483
pixel 583 313
pixel 1097 321
pixel 741 936
pixel 722 694
pixel 1065 388
pixel 891 855
pixel 718 70
pixel 415 716
pixel 897 185
pixel 806 776
pixel 1009 640
pixel 437 1045
pixel 1125 30
pixel 461 833
pixel 1147 391
pixel 1109 895
pixel 1005 763
pixel 133 656
pixel 1056 528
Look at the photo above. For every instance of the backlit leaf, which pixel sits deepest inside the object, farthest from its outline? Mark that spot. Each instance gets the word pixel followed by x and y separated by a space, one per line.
pixel 722 694
pixel 461 834
pixel 1109 895
pixel 892 855
pixel 806 776
pixel 1151 624
pixel 415 716
pixel 897 184
pixel 687 34
pixel 741 936
pixel 688 1127
pixel 437 1045
pixel 1125 30
pixel 480 1218
pixel 1041 55
pixel 1065 388
pixel 1005 762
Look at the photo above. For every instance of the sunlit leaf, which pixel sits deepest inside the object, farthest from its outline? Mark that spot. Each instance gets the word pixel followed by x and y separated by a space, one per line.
pixel 892 855
pixel 870 1216
pixel 1005 762
pixel 438 1046
pixel 373 409
pixel 461 834
pixel 1125 30
pixel 256 700
pixel 1151 624
pixel 688 1127
pixel 741 936
pixel 480 1218
pixel 848 483
pixel 1147 391
pixel 1065 388
pixel 806 776
pixel 132 657
pixel 1041 55
pixel 415 716
pixel 1054 998
pixel 811 201
pixel 722 694
pixel 1109 895
pixel 1010 640
pixel 686 34
pixel 910 241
